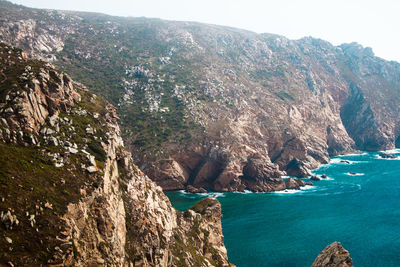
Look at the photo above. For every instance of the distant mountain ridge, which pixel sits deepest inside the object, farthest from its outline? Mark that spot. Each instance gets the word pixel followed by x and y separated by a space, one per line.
pixel 217 107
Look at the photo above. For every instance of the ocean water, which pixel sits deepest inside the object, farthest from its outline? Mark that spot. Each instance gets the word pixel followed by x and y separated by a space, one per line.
pixel 290 228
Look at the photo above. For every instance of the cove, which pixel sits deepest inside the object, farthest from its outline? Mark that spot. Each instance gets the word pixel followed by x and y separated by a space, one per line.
pixel 358 205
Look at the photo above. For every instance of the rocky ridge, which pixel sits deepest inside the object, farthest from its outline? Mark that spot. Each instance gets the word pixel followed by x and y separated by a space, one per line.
pixel 220 108
pixel 70 193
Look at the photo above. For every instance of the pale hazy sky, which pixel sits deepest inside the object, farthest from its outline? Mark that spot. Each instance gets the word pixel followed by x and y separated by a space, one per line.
pixel 371 23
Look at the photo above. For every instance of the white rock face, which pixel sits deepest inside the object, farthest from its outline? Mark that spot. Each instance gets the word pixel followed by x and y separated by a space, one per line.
pixel 140 220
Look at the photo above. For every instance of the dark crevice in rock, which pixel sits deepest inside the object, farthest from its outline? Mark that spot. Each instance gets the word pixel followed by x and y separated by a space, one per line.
pixel 198 168
pixel 276 157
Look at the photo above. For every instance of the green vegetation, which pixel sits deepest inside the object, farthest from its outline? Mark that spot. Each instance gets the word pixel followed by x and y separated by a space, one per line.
pixel 202 205
pixel 285 96
pixel 100 60
pixel 262 74
pixel 29 180
pixel 30 183
pixel 13 67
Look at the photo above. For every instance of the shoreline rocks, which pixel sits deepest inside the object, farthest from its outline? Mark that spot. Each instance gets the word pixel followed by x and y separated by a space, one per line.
pixel 194 190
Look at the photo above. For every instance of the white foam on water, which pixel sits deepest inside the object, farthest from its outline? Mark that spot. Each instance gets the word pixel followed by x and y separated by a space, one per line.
pixel 353 154
pixel 293 191
pixel 244 192
pixel 213 194
pixel 379 157
pixel 392 151
pixel 307 187
pixel 324 179
pixel 287 191
pixel 209 194
pixel 343 161
pixel 354 174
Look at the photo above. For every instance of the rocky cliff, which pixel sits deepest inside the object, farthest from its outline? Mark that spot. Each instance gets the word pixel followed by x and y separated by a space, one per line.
pixel 70 193
pixel 215 107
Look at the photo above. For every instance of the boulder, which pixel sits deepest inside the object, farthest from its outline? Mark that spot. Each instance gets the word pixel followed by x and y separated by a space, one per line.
pixel 72 150
pixel 387 155
pixel 194 190
pixel 89 130
pixel 315 178
pixel 300 182
pixel 333 255
pixel 297 168
pixel 92 169
pixel 260 175
pixel 291 183
pixel 260 170
pixel 53 120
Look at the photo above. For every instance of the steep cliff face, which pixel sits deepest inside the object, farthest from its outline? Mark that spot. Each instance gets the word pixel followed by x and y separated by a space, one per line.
pixel 216 107
pixel 70 193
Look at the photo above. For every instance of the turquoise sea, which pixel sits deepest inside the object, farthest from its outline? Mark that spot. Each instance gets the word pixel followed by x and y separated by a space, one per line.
pixel 290 228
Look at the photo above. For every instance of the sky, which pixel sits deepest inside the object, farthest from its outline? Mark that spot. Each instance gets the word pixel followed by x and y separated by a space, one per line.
pixel 371 23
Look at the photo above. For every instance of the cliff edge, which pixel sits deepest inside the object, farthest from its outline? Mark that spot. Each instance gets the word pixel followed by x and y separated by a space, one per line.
pixel 70 193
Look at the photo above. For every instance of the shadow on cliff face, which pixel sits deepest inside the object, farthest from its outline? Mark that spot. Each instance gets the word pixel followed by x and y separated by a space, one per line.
pixel 361 122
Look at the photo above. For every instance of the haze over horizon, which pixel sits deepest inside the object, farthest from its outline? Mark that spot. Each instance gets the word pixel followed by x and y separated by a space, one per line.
pixel 368 23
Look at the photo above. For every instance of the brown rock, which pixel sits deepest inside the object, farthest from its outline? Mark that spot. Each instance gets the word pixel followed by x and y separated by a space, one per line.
pixel 296 168
pixel 334 255
pixel 315 178
pixel 291 183
pixel 194 190
pixel 387 155
pixel 300 182
pixel 262 176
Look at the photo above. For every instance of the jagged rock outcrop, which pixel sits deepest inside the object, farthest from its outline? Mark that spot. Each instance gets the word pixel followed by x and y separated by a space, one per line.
pixel 71 194
pixel 198 102
pixel 334 255
pixel 46 92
